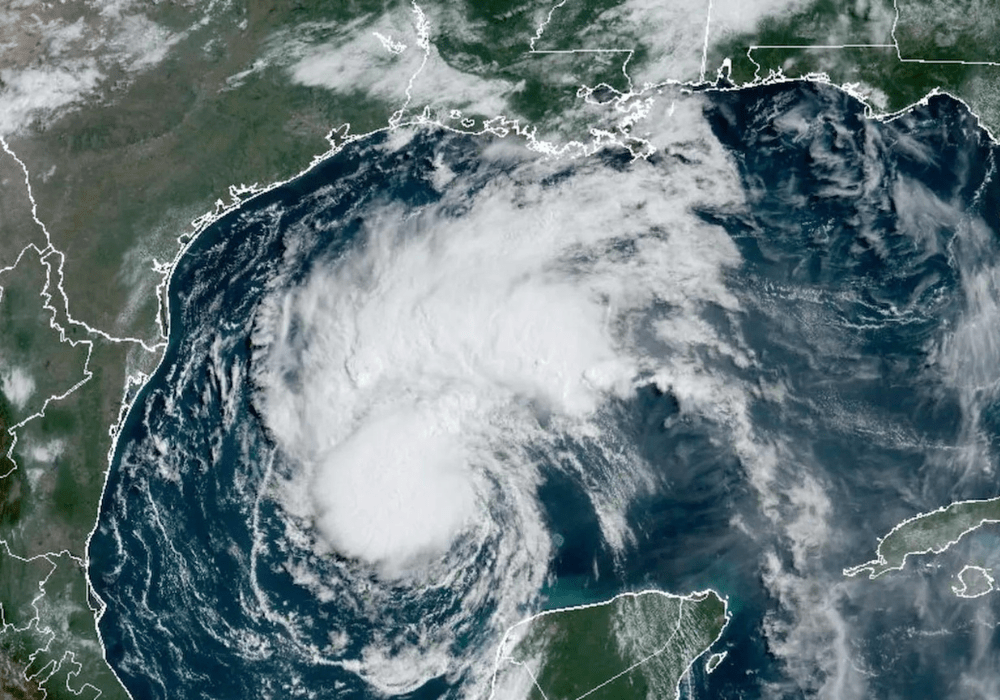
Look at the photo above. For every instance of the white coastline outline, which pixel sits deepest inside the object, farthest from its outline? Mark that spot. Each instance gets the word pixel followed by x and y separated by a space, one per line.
pixel 870 112
pixel 704 50
pixel 694 597
pixel 878 566
pixel 500 126
pixel 893 45
pixel 45 255
pixel 340 136
pixel 962 592
pixel 714 661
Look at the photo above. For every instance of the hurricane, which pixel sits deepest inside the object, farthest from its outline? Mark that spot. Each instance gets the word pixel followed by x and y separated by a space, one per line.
pixel 442 381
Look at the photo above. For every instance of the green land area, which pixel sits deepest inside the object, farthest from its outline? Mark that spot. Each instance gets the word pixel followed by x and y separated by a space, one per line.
pixel 225 93
pixel 634 647
pixel 117 180
pixel 891 53
pixel 928 533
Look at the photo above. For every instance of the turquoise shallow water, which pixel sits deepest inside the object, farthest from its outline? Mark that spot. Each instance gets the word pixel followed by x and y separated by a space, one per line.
pixel 863 248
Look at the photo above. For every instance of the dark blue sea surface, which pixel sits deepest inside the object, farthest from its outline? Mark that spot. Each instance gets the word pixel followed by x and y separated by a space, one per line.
pixel 865 291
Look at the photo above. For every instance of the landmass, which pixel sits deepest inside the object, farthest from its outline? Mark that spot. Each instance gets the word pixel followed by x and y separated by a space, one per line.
pixel 637 646
pixel 928 533
pixel 128 125
pixel 890 53
pixel 713 661
pixel 975 582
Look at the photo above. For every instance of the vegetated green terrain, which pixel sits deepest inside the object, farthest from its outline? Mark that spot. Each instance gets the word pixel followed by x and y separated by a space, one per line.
pixel 932 532
pixel 116 182
pixel 820 23
pixel 48 503
pixel 120 176
pixel 636 646
pixel 934 52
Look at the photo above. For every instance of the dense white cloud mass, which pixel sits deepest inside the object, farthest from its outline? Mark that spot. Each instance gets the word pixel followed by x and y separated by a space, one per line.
pixel 398 486
pixel 412 364
pixel 18 385
pixel 33 91
pixel 56 56
pixel 419 383
pixel 391 58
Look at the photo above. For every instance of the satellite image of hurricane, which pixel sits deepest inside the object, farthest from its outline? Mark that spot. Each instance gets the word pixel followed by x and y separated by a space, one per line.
pixel 439 381
pixel 610 350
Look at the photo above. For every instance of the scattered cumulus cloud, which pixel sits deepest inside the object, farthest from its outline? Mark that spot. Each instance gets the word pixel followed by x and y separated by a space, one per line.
pixel 57 56
pixel 28 94
pixel 18 386
pixel 459 349
pixel 47 452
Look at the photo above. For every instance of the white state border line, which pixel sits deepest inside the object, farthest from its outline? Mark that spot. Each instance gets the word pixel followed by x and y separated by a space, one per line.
pixel 829 47
pixel 893 45
pixel 628 58
pixel 704 49
pixel 548 19
pixel 340 136
pixel 534 681
pixel 423 28
pixel 50 249
pixel 695 597
pixel 541 27
pixel 899 55
pixel 45 255
pixel 822 46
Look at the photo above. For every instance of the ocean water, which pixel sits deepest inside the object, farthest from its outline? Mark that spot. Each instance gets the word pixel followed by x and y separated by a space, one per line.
pixel 438 383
